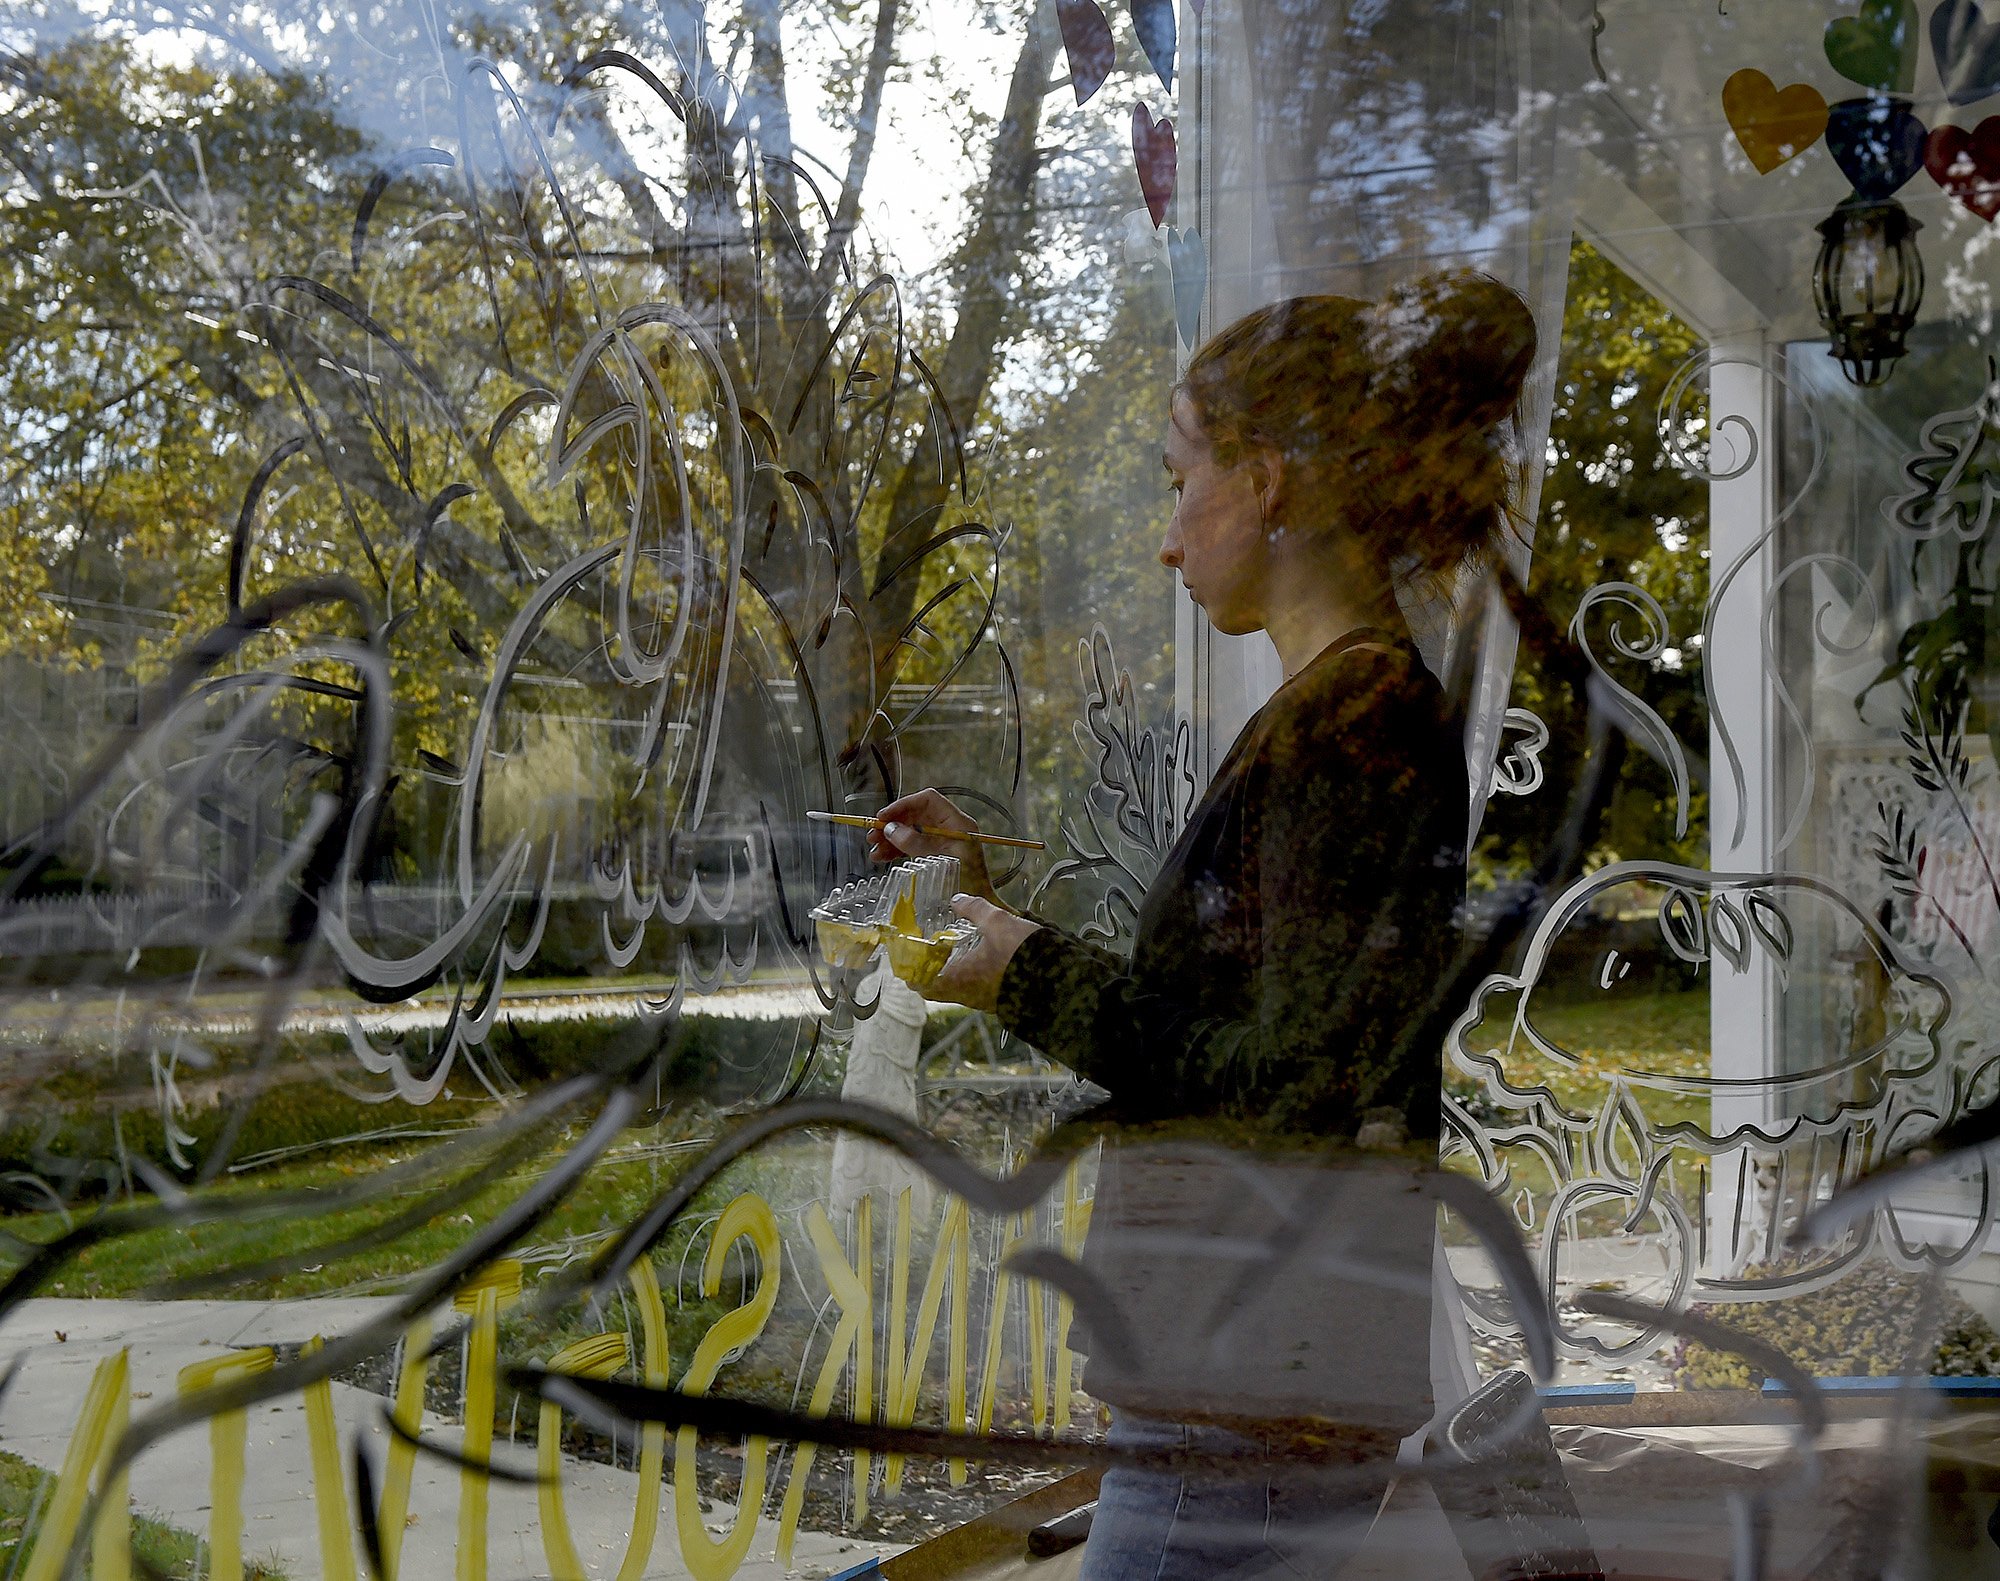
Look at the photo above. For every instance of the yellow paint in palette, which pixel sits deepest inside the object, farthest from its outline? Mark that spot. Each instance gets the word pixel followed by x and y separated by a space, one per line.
pixel 847 944
pixel 850 926
pixel 915 956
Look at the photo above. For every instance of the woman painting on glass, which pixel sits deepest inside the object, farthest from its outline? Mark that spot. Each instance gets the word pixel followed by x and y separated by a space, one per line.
pixel 1272 1046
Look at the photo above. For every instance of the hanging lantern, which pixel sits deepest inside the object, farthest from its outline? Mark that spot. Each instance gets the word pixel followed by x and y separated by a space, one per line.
pixel 1867 284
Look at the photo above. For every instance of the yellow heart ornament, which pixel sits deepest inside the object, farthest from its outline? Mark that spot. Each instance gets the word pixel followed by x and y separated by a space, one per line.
pixel 1773 124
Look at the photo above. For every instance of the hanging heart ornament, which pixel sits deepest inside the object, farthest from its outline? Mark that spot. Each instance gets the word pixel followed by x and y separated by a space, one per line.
pixel 1773 124
pixel 1965 38
pixel 1086 40
pixel 1153 21
pixel 1878 48
pixel 1877 142
pixel 1187 256
pixel 1154 152
pixel 1967 164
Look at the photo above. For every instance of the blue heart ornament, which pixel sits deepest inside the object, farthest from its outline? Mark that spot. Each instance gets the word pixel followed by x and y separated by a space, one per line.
pixel 1187 257
pixel 1965 38
pixel 1153 21
pixel 1877 141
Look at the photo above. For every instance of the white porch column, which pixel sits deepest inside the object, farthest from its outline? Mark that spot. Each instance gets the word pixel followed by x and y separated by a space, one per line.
pixel 1743 1002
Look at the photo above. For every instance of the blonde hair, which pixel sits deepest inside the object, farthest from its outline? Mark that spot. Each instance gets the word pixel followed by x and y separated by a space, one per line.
pixel 1402 415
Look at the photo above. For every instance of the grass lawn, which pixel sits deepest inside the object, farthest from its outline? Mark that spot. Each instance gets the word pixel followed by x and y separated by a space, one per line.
pixel 164 1550
pixel 614 1192
pixel 611 1196
pixel 1662 1034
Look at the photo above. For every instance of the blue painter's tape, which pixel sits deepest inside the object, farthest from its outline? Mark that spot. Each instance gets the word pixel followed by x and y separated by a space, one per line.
pixel 867 1570
pixel 1587 1394
pixel 1964 1388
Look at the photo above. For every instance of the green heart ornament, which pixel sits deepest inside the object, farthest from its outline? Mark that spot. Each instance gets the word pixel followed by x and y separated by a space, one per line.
pixel 1877 48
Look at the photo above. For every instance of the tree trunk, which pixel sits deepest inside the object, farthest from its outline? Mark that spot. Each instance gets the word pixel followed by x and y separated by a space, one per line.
pixel 984 275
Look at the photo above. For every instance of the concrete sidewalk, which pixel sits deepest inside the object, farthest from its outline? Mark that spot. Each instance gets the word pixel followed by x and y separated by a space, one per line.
pixel 65 1340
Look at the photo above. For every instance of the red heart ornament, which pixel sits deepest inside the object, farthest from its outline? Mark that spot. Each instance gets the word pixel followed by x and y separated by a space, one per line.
pixel 1154 152
pixel 1967 164
pixel 1087 41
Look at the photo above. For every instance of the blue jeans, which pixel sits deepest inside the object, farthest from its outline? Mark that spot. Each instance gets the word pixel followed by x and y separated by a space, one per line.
pixel 1200 1525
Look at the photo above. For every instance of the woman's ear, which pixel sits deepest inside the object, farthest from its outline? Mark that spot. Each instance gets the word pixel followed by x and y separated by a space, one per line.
pixel 1267 477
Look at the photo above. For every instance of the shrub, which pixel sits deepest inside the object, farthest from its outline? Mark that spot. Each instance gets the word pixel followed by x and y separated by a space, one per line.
pixel 1860 1327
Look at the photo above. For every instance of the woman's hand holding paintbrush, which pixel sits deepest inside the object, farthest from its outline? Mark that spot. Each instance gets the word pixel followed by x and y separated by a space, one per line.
pixel 903 829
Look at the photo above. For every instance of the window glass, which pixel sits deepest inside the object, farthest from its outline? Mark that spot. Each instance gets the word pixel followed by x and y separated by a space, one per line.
pixel 883 789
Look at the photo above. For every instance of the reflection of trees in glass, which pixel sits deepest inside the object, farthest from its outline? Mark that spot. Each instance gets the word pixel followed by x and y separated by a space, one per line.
pixel 1614 508
pixel 1389 132
pixel 152 200
pixel 1089 503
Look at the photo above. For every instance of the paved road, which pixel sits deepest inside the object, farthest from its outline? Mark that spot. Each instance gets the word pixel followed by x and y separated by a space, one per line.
pixel 234 1010
pixel 736 1004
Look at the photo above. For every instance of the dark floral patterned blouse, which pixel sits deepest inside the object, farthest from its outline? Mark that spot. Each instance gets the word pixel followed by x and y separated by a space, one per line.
pixel 1289 985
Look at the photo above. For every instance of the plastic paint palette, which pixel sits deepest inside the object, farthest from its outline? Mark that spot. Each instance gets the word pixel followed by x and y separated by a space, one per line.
pixel 905 910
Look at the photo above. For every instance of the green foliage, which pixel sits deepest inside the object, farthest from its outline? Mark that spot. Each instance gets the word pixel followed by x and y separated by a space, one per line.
pixel 1615 506
pixel 619 1187
pixel 1938 658
pixel 1090 504
pixel 147 209
pixel 160 1550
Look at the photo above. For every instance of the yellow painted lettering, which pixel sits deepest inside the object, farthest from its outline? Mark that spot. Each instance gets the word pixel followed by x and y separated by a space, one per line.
pixel 1075 1225
pixel 600 1356
pixel 494 1289
pixel 226 1434
pixel 394 1512
pixel 748 1218
pixel 996 1326
pixel 950 1269
pixel 336 1545
pixel 855 1332
pixel 100 1424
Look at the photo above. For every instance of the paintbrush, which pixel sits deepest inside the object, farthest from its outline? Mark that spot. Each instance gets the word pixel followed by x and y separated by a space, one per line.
pixel 855 820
